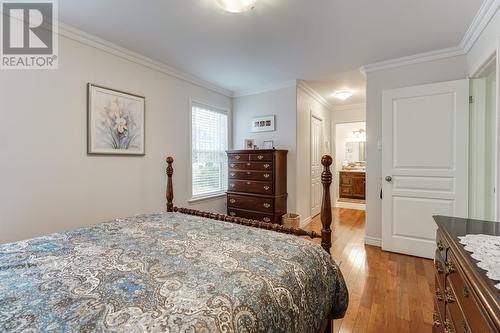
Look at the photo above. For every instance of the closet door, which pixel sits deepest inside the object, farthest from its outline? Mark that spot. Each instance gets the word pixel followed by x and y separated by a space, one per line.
pixel 424 163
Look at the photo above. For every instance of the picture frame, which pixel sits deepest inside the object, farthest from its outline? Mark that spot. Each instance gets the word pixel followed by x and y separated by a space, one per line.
pixel 269 144
pixel 263 124
pixel 116 122
pixel 249 143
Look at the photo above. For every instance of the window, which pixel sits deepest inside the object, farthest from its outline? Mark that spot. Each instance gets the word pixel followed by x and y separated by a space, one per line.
pixel 209 142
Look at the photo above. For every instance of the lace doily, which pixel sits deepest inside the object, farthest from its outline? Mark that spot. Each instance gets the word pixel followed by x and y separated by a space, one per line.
pixel 485 249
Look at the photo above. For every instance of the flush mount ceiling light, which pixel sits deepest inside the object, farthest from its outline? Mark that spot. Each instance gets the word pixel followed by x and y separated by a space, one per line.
pixel 343 94
pixel 236 6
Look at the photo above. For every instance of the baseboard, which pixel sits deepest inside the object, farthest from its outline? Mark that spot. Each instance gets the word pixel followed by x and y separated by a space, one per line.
pixel 350 205
pixel 373 241
pixel 305 222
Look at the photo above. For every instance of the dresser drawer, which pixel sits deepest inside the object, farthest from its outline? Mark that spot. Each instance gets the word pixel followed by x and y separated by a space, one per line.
pixel 439 267
pixel 251 175
pixel 237 157
pixel 261 157
pixel 439 296
pixel 345 190
pixel 441 244
pixel 264 205
pixel 263 166
pixel 251 186
pixel 437 320
pixel 463 296
pixel 268 218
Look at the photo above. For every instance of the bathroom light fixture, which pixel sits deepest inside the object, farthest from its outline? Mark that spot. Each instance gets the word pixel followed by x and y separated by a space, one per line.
pixel 236 6
pixel 343 94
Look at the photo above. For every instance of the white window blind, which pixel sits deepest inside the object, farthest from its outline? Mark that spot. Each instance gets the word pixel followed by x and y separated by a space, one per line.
pixel 209 142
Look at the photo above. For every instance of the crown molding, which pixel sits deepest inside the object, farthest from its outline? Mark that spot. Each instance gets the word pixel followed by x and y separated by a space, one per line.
pixel 413 59
pixel 314 94
pixel 480 21
pixel 116 50
pixel 266 88
pixel 484 15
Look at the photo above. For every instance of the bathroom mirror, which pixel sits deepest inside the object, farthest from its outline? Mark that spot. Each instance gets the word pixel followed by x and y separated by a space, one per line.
pixel 355 151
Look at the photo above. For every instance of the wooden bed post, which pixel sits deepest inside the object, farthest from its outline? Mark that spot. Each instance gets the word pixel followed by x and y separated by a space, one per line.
pixel 170 188
pixel 326 204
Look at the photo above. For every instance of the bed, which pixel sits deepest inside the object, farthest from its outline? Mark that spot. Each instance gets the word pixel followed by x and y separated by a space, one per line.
pixel 177 271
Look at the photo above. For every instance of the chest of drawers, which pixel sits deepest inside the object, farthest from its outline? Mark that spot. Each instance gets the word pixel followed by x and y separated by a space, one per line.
pixel 465 299
pixel 257 184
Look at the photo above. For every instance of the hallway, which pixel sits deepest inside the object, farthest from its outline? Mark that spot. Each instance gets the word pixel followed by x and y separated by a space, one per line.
pixel 388 292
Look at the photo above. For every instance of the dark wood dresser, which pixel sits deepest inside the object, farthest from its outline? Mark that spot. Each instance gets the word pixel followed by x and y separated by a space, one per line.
pixel 466 300
pixel 352 184
pixel 257 184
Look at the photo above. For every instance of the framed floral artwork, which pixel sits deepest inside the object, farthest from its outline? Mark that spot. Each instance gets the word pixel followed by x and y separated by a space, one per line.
pixel 115 122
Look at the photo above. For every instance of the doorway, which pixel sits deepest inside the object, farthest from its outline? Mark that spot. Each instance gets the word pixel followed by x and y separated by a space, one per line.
pixel 482 144
pixel 350 165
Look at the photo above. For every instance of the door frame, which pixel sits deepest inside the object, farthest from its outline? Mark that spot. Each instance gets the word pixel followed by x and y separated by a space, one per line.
pixel 312 115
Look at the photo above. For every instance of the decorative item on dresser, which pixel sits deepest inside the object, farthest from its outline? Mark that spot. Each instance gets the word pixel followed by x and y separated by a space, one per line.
pixel 257 184
pixel 352 184
pixel 466 300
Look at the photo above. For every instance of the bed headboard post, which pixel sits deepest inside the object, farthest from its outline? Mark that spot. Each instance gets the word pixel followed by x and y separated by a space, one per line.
pixel 170 188
pixel 326 204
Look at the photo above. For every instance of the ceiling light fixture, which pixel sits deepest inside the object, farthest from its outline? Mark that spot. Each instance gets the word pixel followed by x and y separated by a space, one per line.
pixel 343 94
pixel 236 6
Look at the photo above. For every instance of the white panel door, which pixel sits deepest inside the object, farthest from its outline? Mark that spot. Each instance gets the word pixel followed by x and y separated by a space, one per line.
pixel 424 163
pixel 316 144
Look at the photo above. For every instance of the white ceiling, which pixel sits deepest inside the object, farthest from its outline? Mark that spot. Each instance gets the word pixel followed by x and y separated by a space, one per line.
pixel 278 40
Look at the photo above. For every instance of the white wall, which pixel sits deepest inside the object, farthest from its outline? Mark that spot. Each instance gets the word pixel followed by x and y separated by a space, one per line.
pixel 48 183
pixel 308 106
pixel 282 104
pixel 433 71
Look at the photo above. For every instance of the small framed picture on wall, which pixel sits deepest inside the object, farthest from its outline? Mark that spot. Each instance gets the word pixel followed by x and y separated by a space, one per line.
pixel 263 124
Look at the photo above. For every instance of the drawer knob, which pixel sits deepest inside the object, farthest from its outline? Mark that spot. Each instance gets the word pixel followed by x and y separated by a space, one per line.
pixel 438 266
pixel 232 185
pixel 448 326
pixel 465 292
pixel 436 320
pixel 266 175
pixel 450 268
pixel 249 173
pixel 233 174
pixel 249 164
pixel 237 157
pixel 266 205
pixel 232 213
pixel 448 296
pixel 249 183
pixel 232 201
pixel 266 166
pixel 266 188
pixel 266 219
pixel 440 245
pixel 260 157
pixel 439 295
pixel 233 165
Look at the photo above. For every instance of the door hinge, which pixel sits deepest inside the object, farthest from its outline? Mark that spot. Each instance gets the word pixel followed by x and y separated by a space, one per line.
pixel 471 99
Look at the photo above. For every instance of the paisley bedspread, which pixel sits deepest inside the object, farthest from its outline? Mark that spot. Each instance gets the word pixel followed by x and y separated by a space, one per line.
pixel 168 272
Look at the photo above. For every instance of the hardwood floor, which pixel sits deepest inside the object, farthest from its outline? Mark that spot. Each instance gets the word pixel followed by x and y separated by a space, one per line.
pixel 388 292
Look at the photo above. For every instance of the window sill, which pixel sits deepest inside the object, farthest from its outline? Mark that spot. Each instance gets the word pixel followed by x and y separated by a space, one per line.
pixel 207 197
